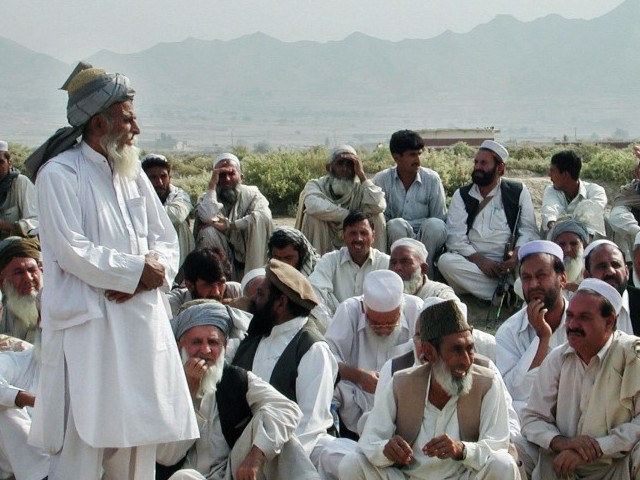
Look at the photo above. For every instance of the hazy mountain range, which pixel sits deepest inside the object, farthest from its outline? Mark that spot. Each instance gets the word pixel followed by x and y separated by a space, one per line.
pixel 549 77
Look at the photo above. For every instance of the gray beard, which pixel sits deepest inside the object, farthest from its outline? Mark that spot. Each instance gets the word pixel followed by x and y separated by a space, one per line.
pixel 573 268
pixel 341 187
pixel 23 307
pixel 450 384
pixel 212 376
pixel 412 285
pixel 125 160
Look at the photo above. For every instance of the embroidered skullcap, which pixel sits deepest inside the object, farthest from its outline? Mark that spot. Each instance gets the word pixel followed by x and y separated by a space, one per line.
pixel 251 275
pixel 416 245
pixel 341 149
pixel 154 160
pixel 496 148
pixel 540 246
pixel 4 146
pixel 202 312
pixel 441 318
pixel 598 243
pixel 603 289
pixel 230 157
pixel 570 226
pixel 293 284
pixel 382 290
pixel 18 247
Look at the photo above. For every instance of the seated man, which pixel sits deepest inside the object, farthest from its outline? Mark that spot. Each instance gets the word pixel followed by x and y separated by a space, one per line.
pixel 289 245
pixel 176 201
pixel 325 202
pixel 19 376
pixel 246 426
pixel 604 260
pixel 625 211
pixel 339 275
pixel 366 331
pixel 584 407
pixel 18 210
pixel 567 190
pixel 446 419
pixel 205 276
pixel 572 237
pixel 415 196
pixel 525 339
pixel 482 219
pixel 233 217
pixel 20 283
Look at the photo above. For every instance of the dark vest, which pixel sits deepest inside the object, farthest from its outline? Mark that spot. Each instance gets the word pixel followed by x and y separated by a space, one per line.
pixel 231 398
pixel 285 372
pixel 509 191
pixel 634 308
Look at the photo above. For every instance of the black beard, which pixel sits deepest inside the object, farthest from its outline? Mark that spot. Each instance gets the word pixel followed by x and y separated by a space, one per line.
pixel 228 196
pixel 263 320
pixel 482 179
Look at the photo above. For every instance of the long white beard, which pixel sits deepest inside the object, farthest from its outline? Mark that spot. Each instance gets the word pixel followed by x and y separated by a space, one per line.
pixel 125 159
pixel 23 307
pixel 412 285
pixel 342 187
pixel 573 268
pixel 212 375
pixel 452 385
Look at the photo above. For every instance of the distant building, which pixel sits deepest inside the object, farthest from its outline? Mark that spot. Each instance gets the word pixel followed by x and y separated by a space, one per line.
pixel 445 137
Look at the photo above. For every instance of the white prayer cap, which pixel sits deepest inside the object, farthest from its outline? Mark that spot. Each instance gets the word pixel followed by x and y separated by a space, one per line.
pixel 4 146
pixel 250 275
pixel 382 290
pixel 598 243
pixel 229 157
pixel 416 245
pixel 341 149
pixel 496 148
pixel 604 289
pixel 540 246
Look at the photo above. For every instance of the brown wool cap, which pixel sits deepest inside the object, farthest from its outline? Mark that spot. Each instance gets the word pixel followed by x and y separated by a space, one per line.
pixel 18 247
pixel 440 319
pixel 291 283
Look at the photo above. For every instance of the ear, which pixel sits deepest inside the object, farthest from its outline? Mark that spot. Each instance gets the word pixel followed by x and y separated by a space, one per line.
pixel 429 352
pixel 189 284
pixel 396 157
pixel 563 280
pixel 424 268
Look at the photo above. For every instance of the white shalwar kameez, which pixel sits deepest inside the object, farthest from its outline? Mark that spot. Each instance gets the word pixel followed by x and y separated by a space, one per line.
pixel 118 362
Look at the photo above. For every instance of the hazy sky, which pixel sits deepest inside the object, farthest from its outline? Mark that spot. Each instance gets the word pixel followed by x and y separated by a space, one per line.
pixel 73 29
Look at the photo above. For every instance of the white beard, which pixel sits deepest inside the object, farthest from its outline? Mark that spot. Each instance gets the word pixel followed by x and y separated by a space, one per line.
pixel 452 385
pixel 125 160
pixel 341 187
pixel 573 267
pixel 212 375
pixel 23 307
pixel 412 285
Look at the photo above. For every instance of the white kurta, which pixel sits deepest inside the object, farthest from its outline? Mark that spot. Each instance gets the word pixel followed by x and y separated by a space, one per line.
pixel 20 206
pixel 337 277
pixel 125 379
pixel 555 204
pixel 354 344
pixel 178 207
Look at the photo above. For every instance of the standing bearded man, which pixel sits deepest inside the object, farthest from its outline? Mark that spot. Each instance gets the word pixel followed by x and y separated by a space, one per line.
pixel 113 380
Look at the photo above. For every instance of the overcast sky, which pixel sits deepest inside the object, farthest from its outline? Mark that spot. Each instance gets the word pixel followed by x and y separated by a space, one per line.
pixel 74 29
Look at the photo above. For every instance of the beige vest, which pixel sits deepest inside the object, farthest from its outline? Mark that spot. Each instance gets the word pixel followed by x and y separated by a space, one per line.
pixel 410 394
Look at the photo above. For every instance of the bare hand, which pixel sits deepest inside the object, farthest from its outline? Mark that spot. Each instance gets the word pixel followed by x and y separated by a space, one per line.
pixel 118 297
pixel 153 273
pixel 398 450
pixel 221 224
pixel 194 370
pixel 489 267
pixel 565 463
pixel 587 447
pixel 536 312
pixel 368 380
pixel 215 176
pixel 25 399
pixel 508 265
pixel 443 447
pixel 251 465
pixel 358 169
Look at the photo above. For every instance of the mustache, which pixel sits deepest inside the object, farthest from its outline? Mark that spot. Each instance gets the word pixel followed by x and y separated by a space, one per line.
pixel 575 331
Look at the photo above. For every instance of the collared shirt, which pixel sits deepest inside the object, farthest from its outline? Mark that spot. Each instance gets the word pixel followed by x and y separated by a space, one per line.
pixel 337 277
pixel 425 197
pixel 490 231
pixel 555 204
pixel 494 435
pixel 317 372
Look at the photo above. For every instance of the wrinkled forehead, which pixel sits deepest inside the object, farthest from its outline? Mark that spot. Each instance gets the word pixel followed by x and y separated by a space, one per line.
pixel 228 164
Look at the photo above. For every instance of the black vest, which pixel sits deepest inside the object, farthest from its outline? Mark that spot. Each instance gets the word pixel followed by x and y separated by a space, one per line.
pixel 285 372
pixel 634 308
pixel 509 191
pixel 231 398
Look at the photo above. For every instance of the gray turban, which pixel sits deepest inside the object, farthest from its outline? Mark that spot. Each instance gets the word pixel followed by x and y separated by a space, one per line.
pixel 571 226
pixel 91 91
pixel 203 313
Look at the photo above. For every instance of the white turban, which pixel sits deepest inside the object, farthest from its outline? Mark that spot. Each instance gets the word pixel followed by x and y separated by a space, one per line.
pixel 250 275
pixel 496 148
pixel 382 290
pixel 416 245
pixel 341 149
pixel 593 245
pixel 229 157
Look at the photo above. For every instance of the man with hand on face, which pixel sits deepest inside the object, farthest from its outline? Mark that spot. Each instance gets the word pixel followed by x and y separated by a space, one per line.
pixel 584 408
pixel 18 210
pixel 233 217
pixel 482 218
pixel 325 202
pixel 246 429
pixel 366 331
pixel 525 339
pixel 340 274
pixel 107 247
pixel 176 201
pixel 446 419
